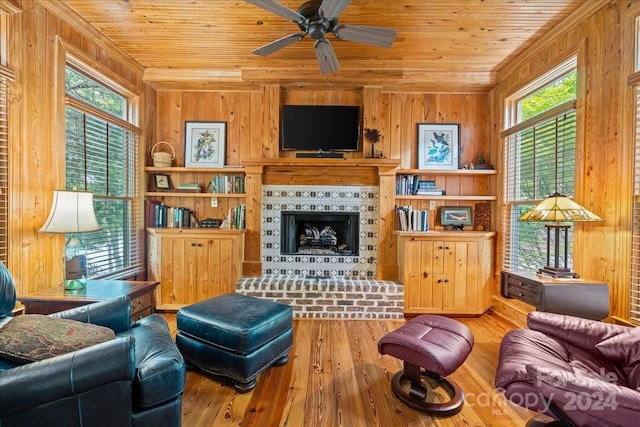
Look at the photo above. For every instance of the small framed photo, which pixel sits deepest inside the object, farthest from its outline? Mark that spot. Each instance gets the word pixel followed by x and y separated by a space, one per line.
pixel 456 216
pixel 438 146
pixel 161 182
pixel 205 144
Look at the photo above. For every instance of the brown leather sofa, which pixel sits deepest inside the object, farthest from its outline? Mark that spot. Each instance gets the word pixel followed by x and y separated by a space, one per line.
pixel 581 372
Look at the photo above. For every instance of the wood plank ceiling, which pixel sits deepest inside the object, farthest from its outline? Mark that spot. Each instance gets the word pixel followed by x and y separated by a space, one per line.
pixel 441 45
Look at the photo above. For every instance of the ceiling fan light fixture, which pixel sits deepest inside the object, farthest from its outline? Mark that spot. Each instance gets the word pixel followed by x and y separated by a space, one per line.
pixel 317 18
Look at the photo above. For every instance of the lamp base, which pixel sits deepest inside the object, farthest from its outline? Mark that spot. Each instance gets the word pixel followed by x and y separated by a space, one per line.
pixel 75 284
pixel 558 272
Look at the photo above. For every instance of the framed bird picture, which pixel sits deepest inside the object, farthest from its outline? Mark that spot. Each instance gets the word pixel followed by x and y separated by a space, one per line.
pixel 438 146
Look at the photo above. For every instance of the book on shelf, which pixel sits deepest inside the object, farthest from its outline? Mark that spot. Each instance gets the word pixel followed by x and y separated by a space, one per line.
pixel 412 185
pixel 159 215
pixel 410 219
pixel 189 188
pixel 226 184
pixel 430 192
pixel 235 218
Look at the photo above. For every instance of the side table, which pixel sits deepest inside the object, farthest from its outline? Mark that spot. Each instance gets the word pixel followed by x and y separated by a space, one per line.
pixel 57 299
pixel 576 297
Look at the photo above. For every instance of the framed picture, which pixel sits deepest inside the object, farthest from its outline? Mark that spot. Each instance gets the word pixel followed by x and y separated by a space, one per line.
pixel 456 216
pixel 205 144
pixel 161 182
pixel 438 146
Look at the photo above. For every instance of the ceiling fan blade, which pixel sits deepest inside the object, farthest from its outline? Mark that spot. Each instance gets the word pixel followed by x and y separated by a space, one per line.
pixel 376 36
pixel 332 8
pixel 326 56
pixel 278 9
pixel 276 45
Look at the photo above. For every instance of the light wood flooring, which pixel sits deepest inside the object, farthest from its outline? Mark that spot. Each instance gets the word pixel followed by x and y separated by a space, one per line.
pixel 336 377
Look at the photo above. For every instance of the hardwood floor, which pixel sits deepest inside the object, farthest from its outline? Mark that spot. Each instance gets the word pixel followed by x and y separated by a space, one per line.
pixel 336 377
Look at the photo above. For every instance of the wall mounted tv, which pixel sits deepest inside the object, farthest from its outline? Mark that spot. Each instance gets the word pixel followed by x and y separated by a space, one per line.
pixel 320 127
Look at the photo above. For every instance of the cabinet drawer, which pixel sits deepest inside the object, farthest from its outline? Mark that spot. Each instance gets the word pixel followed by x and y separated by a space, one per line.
pixel 140 303
pixel 524 295
pixel 525 291
pixel 137 315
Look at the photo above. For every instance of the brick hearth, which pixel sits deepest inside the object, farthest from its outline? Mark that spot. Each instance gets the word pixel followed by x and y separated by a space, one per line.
pixel 331 298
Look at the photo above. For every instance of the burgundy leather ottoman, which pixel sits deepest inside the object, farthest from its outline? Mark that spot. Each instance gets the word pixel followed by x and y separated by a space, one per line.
pixel 433 347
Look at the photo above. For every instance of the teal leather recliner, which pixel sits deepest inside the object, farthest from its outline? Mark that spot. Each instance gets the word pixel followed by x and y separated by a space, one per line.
pixel 135 379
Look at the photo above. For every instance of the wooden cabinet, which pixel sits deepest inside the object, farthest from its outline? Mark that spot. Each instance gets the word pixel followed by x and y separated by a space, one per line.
pixel 446 272
pixel 193 264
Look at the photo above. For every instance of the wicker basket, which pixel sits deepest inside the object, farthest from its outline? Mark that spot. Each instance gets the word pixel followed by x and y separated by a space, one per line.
pixel 162 159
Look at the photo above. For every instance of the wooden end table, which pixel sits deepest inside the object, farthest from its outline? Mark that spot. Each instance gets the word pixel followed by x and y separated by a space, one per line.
pixel 58 299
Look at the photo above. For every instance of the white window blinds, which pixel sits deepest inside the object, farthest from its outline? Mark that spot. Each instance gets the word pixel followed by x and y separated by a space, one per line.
pixel 6 76
pixel 102 157
pixel 539 161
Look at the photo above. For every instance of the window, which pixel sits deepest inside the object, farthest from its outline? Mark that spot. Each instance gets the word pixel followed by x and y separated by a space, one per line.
pixel 634 297
pixel 539 153
pixel 102 158
pixel 6 76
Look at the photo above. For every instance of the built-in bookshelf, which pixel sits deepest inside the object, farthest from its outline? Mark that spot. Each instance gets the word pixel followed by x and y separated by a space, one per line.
pixel 419 194
pixel 189 196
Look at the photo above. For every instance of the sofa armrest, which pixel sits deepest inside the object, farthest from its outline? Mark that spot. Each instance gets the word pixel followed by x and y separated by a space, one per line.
pixel 581 398
pixel 34 384
pixel 579 332
pixel 113 313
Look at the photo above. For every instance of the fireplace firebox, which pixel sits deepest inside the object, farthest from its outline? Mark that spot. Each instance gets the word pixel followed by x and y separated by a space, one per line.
pixel 319 233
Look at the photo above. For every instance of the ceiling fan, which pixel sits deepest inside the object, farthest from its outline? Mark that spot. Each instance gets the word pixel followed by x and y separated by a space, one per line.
pixel 316 18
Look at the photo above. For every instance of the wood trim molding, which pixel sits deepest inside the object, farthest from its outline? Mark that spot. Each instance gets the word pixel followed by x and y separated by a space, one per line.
pixel 578 16
pixel 61 11
pixel 8 7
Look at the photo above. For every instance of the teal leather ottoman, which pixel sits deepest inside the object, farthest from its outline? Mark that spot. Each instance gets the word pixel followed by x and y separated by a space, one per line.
pixel 235 336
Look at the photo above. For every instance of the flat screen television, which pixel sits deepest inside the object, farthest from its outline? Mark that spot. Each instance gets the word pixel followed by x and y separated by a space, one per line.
pixel 320 127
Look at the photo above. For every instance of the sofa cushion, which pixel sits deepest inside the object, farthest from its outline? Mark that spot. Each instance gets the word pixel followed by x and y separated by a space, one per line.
pixel 624 349
pixel 33 337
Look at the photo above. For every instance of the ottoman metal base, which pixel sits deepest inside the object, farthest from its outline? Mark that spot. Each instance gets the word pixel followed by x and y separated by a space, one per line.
pixel 431 347
pixel 235 336
pixel 408 385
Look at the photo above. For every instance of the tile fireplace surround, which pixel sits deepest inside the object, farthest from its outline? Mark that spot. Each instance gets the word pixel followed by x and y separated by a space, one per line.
pixel 326 285
pixel 315 198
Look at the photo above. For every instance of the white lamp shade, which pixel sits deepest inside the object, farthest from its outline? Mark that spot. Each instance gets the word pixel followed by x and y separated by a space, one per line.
pixel 71 212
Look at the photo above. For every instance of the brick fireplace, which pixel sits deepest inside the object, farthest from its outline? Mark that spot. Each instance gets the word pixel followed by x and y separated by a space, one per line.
pixel 345 281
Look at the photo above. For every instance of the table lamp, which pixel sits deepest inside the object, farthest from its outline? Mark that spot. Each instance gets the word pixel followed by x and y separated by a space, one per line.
pixel 72 213
pixel 559 211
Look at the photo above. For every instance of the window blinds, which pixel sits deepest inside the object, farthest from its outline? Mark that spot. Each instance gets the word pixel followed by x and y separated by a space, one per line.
pixel 6 75
pixel 102 157
pixel 539 160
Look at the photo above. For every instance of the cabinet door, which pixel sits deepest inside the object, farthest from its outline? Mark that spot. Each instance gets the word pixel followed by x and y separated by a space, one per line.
pixel 460 286
pixel 423 281
pixel 217 269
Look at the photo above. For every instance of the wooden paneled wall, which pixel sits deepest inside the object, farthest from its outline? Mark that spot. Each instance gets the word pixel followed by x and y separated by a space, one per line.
pixel 39 37
pixel 603 158
pixel 38 42
pixel 253 133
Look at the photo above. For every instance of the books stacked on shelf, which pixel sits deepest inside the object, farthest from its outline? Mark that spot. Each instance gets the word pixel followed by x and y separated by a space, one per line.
pixel 189 188
pixel 235 218
pixel 408 185
pixel 159 215
pixel 411 219
pixel 428 188
pixel 226 184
